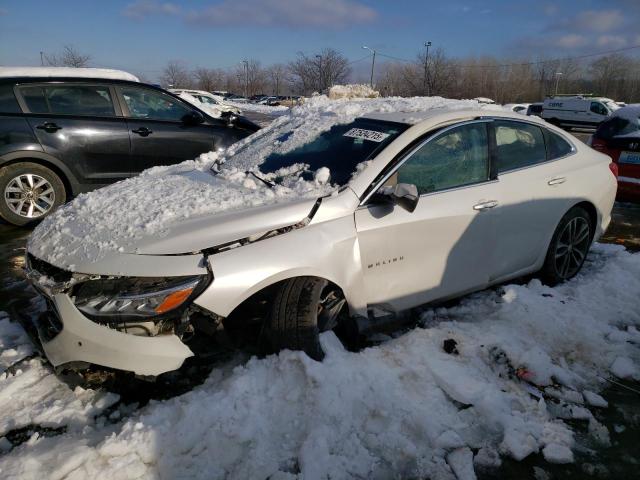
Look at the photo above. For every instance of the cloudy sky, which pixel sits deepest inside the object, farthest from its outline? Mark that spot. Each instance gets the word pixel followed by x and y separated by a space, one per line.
pixel 142 35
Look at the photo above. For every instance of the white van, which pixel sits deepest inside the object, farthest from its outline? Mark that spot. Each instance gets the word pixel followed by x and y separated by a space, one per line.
pixel 577 110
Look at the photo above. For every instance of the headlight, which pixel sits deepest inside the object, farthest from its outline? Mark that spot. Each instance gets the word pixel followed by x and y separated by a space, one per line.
pixel 135 298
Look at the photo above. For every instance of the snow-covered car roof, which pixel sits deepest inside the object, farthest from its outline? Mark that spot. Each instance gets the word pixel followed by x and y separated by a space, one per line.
pixel 66 72
pixel 117 217
pixel 630 112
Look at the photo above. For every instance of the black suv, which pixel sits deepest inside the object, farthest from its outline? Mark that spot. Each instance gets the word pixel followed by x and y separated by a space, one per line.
pixel 63 136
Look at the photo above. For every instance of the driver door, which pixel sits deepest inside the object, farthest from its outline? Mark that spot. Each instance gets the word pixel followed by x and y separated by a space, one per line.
pixel 443 248
pixel 157 133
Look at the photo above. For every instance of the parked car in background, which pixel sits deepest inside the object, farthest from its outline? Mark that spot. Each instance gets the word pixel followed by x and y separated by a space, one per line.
pixel 271 101
pixel 63 132
pixel 535 109
pixel 619 137
pixel 576 111
pixel 208 99
pixel 396 208
pixel 237 99
pixel 518 107
pixel 257 98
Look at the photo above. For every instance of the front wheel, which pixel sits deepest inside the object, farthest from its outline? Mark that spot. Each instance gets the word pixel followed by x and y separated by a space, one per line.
pixel 569 247
pixel 29 192
pixel 304 307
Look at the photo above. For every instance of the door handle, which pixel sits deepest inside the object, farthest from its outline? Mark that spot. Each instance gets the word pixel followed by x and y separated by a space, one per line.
pixel 142 131
pixel 557 181
pixel 49 127
pixel 485 205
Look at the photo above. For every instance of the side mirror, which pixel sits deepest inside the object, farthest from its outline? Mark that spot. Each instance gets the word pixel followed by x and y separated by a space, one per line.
pixel 193 118
pixel 406 196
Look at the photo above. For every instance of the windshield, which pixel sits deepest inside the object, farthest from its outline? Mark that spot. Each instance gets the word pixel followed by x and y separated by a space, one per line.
pixel 611 105
pixel 336 152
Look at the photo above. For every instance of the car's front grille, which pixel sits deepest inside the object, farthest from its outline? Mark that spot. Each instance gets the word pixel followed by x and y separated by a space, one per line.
pixel 46 269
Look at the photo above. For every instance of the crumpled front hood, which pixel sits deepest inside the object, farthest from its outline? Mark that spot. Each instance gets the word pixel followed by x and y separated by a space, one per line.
pixel 167 210
pixel 197 234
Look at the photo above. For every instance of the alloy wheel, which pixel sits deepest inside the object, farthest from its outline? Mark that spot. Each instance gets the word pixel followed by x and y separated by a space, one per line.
pixel 29 195
pixel 572 247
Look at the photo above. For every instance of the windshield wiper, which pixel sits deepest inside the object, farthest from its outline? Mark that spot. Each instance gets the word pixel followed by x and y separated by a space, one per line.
pixel 266 182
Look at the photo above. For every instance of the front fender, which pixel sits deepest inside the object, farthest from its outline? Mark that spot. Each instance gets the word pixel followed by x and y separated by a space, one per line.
pixel 328 250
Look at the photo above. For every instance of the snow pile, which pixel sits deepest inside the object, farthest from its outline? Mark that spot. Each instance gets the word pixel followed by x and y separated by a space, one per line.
pixel 116 217
pixel 208 109
pixel 53 72
pixel 352 91
pixel 529 359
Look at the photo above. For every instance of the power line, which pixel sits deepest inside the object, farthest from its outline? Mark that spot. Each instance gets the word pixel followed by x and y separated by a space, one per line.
pixel 359 60
pixel 539 62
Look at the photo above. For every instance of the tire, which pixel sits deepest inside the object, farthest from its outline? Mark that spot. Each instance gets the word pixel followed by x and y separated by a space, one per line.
pixel 41 193
pixel 297 319
pixel 568 248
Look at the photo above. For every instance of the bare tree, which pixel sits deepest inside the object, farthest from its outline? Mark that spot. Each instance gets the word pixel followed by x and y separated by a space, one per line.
pixel 69 57
pixel 277 74
pixel 176 75
pixel 321 71
pixel 209 79
pixel 251 76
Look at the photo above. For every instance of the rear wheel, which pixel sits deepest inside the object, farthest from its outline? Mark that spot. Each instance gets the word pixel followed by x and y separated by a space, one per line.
pixel 29 192
pixel 303 308
pixel 569 247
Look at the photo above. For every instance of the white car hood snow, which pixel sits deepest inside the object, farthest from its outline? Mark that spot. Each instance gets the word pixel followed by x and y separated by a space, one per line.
pixel 196 234
pixel 168 210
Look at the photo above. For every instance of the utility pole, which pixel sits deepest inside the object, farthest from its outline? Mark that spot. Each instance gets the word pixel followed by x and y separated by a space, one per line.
pixel 321 83
pixel 558 74
pixel 42 59
pixel 373 63
pixel 426 69
pixel 245 64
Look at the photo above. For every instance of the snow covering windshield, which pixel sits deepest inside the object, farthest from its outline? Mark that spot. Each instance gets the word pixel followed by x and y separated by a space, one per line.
pixel 334 154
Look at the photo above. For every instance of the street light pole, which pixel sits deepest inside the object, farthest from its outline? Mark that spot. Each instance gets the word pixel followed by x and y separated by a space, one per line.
pixel 321 82
pixel 426 69
pixel 557 81
pixel 373 63
pixel 246 78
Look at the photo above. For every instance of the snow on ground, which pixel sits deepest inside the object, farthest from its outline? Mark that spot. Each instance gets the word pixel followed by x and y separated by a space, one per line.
pixel 115 217
pixel 530 358
pixel 274 110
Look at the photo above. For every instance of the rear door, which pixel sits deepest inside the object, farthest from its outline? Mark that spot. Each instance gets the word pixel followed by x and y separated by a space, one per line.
pixel 533 193
pixel 81 125
pixel 159 136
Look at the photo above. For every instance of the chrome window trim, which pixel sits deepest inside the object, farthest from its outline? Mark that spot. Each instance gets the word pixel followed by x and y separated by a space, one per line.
pixel 408 155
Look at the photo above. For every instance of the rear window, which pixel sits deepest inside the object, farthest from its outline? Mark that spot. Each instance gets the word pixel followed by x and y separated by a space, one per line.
pixel 557 146
pixel 8 102
pixel 69 100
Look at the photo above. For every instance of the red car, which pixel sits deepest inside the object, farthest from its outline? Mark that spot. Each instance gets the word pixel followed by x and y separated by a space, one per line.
pixel 619 137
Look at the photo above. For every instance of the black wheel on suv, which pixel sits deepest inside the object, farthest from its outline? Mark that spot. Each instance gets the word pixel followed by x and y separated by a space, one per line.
pixel 569 247
pixel 29 192
pixel 304 307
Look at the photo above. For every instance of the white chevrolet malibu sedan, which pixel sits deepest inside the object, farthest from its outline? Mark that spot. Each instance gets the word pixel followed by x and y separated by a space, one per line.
pixel 311 222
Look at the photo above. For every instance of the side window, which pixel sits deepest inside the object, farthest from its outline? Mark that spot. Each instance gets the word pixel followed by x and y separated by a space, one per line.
pixel 8 102
pixel 456 158
pixel 34 98
pixel 597 107
pixel 79 100
pixel 557 146
pixel 518 145
pixel 144 103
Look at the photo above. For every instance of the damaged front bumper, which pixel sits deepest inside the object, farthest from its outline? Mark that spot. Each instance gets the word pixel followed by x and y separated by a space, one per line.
pixel 69 336
pixel 82 340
